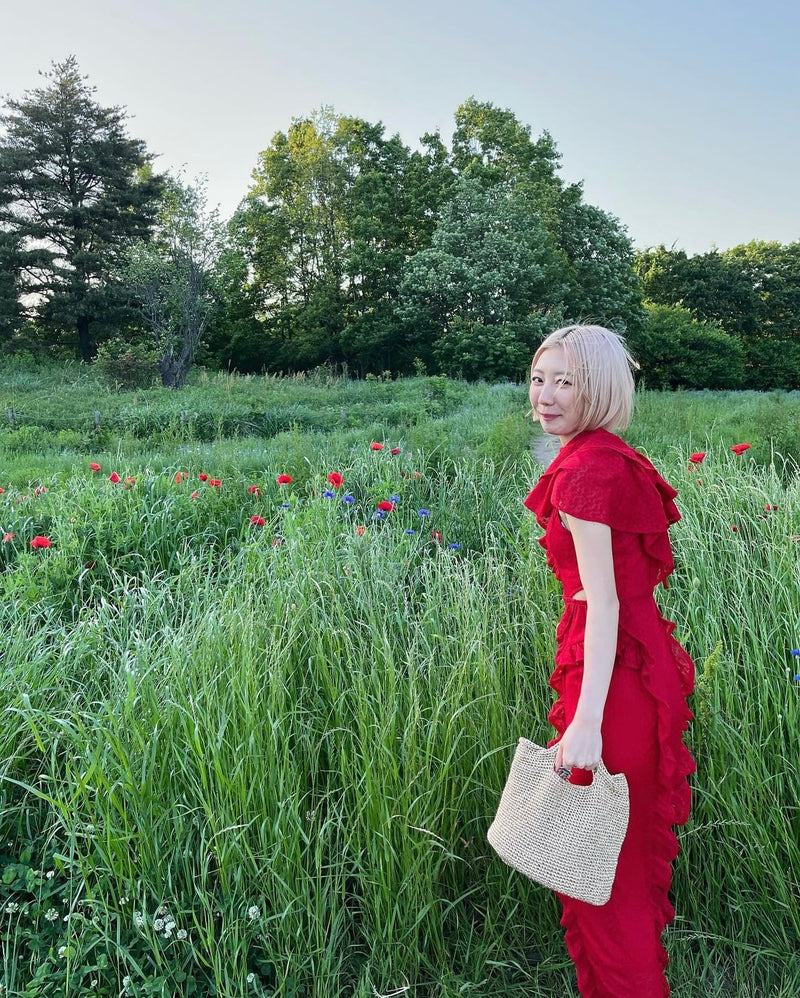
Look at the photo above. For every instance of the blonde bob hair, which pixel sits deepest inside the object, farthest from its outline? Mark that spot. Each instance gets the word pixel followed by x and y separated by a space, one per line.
pixel 600 368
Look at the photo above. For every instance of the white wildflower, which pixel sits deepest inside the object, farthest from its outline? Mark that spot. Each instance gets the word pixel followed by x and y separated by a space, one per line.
pixel 158 924
pixel 11 907
pixel 138 919
pixel 182 934
pixel 51 915
pixel 253 912
pixel 62 950
pixel 50 874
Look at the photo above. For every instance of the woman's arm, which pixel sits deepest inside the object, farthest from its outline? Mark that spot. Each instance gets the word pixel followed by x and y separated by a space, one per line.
pixel 581 745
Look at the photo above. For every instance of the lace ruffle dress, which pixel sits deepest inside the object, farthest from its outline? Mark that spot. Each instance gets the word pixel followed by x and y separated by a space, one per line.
pixel 616 947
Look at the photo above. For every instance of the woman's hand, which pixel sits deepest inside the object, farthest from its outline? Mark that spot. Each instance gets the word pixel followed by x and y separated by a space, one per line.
pixel 581 746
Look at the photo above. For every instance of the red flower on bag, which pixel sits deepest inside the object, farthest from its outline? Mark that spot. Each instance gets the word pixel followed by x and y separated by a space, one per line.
pixel 385 506
pixel 94 466
pixel 740 448
pixel 336 480
pixel 40 542
pixel 114 477
pixel 698 457
pixel 376 446
pixel 284 479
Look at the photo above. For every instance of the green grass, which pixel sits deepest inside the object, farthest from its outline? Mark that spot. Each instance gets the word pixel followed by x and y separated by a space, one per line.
pixel 288 740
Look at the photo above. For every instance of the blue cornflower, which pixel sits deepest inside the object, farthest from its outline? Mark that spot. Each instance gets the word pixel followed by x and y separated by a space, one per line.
pixel 394 499
pixel 454 546
pixel 348 499
pixel 286 505
pixel 796 652
pixel 378 514
pixel 797 679
pixel 424 512
pixel 409 531
pixel 328 494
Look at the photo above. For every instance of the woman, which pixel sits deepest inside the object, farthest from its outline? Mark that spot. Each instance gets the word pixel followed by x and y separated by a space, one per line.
pixel 620 677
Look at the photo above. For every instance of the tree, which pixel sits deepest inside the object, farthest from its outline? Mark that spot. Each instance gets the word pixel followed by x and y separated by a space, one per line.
pixel 676 351
pixel 490 271
pixel 75 191
pixel 171 277
pixel 708 284
pixel 492 146
pixel 10 289
pixel 335 210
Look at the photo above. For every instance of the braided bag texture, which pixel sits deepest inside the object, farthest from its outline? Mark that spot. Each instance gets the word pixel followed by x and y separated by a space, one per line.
pixel 563 836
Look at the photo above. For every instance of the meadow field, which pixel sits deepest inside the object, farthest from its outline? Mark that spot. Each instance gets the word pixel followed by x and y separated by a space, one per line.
pixel 267 647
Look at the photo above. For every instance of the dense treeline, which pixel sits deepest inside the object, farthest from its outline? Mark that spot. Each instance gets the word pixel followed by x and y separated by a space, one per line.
pixel 353 250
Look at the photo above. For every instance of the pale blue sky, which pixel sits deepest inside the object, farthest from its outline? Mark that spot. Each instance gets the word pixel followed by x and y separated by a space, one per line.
pixel 682 118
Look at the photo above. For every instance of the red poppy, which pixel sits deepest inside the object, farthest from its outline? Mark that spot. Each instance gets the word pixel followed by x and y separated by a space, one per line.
pixel 417 474
pixel 740 448
pixel 257 521
pixel 215 482
pixel 40 490
pixel 284 479
pixel 8 537
pixel 195 495
pixel 395 451
pixel 203 477
pixel 360 530
pixel 94 466
pixel 178 478
pixel 376 446
pixel 734 528
pixel 336 480
pixel 129 483
pixel 114 477
pixel 40 542
pixel 770 509
pixel 436 536
pixel 698 457
pixel 254 490
pixel 2 491
pixel 278 542
pixel 386 506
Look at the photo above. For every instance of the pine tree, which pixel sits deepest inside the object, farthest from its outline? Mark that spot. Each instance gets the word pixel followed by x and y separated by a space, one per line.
pixel 75 191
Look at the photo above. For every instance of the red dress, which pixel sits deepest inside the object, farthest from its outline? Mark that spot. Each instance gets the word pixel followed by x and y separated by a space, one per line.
pixel 617 947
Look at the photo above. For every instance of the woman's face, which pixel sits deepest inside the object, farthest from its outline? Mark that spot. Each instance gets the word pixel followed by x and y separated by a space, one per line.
pixel 553 397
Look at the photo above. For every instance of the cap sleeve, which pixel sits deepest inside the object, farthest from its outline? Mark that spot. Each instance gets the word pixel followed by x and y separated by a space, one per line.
pixel 605 486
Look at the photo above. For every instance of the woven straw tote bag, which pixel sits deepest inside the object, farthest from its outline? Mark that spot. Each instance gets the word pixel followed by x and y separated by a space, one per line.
pixel 563 836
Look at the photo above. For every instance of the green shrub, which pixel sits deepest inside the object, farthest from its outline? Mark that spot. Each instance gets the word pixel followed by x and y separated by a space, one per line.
pixel 127 365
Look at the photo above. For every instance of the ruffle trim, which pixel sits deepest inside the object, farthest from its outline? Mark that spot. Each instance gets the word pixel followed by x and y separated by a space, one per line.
pixel 674 800
pixel 598 477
